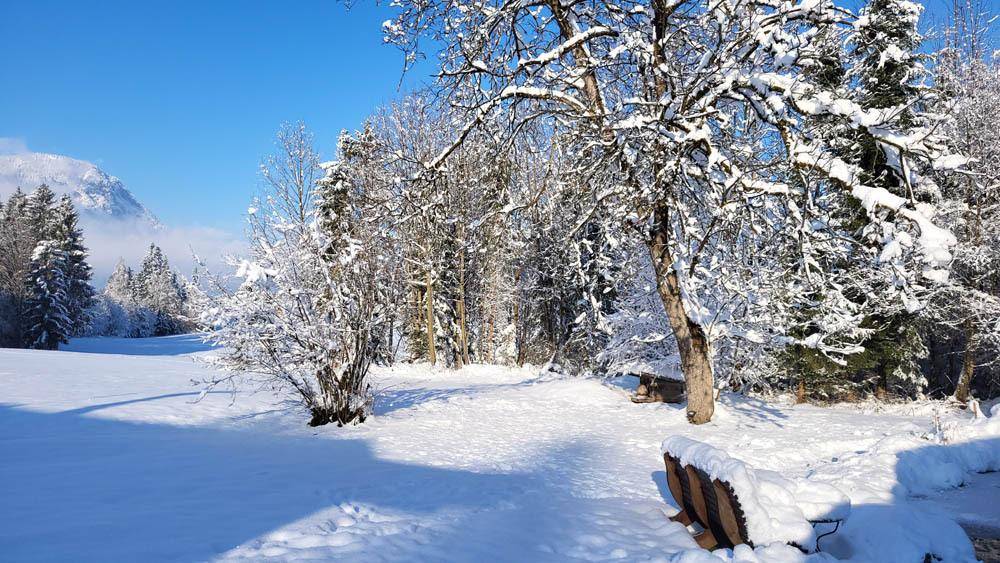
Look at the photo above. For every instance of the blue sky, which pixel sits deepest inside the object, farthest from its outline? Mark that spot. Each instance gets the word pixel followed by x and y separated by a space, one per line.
pixel 181 99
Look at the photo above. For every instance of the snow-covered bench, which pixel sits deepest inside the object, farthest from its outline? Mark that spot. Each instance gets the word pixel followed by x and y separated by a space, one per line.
pixel 735 504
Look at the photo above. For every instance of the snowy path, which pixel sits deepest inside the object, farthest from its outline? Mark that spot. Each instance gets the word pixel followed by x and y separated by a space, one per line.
pixel 106 458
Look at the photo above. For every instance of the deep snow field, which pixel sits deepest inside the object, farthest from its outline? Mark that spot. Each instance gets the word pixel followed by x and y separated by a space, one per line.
pixel 106 455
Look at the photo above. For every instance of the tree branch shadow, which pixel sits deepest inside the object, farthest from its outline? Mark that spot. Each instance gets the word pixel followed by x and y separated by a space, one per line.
pixel 102 406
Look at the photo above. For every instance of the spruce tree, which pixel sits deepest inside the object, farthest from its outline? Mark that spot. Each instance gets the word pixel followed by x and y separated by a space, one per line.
pixel 47 316
pixel 120 286
pixel 883 78
pixel 39 213
pixel 119 314
pixel 78 272
pixel 7 316
pixel 888 71
pixel 158 290
pixel 17 241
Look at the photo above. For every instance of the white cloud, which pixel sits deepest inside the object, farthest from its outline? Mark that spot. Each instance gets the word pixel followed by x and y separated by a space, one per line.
pixel 112 241
pixel 13 145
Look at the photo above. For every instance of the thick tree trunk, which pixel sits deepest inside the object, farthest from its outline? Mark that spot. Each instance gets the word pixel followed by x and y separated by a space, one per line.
pixel 968 365
pixel 429 314
pixel 692 343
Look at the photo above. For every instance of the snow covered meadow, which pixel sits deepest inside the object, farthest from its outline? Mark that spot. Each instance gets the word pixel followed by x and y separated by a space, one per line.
pixel 106 454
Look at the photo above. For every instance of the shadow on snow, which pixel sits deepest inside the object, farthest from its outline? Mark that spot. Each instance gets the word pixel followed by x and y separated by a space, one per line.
pixel 90 489
pixel 154 346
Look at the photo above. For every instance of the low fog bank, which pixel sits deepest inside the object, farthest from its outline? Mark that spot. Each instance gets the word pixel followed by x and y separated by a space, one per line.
pixel 110 241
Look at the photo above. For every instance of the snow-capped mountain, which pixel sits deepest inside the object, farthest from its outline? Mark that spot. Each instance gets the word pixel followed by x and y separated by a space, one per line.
pixel 116 226
pixel 96 194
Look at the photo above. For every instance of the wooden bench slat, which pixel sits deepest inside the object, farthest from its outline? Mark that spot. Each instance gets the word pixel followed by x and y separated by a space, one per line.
pixel 712 509
pixel 677 490
pixel 692 507
pixel 731 514
pixel 706 538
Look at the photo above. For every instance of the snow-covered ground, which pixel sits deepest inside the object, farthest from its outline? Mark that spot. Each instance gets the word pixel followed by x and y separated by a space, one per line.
pixel 108 457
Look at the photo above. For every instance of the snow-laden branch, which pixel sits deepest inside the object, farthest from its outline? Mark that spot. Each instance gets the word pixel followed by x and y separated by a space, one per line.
pixel 808 101
pixel 568 45
pixel 935 242
pixel 547 94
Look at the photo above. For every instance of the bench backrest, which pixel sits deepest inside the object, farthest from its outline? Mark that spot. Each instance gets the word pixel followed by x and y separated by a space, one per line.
pixel 733 502
pixel 711 503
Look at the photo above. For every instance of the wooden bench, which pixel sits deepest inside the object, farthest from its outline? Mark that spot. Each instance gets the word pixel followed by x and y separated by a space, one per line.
pixel 711 504
pixel 656 389
pixel 714 505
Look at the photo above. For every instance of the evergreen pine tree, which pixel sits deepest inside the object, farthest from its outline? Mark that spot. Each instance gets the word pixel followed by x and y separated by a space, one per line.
pixel 332 213
pixel 7 317
pixel 158 290
pixel 888 72
pixel 16 243
pixel 78 272
pixel 121 286
pixel 48 322
pixel 18 238
pixel 13 256
pixel 39 213
pixel 885 74
pixel 118 311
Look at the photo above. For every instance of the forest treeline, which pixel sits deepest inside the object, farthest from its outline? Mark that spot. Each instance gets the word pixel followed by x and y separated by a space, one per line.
pixel 46 296
pixel 745 194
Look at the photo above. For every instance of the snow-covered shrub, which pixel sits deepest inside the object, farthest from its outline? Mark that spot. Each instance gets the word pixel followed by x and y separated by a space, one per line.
pixel 304 318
